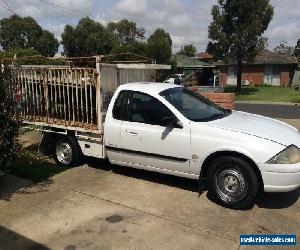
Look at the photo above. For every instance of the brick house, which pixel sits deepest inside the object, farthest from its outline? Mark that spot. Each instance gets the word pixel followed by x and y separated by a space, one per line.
pixel 267 68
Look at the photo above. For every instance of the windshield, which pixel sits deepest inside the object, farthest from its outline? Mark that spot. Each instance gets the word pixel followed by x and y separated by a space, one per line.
pixel 193 106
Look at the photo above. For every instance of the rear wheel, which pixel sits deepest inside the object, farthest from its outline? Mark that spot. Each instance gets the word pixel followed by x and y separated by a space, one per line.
pixel 233 182
pixel 67 152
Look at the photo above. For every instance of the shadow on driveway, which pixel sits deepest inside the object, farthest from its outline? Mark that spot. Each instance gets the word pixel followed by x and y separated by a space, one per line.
pixel 278 200
pixel 170 180
pixel 264 200
pixel 12 240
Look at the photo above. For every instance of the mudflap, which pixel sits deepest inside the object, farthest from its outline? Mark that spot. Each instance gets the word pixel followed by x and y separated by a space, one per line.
pixel 202 185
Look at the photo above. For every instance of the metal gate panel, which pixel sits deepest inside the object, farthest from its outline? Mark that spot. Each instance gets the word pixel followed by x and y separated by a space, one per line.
pixel 58 95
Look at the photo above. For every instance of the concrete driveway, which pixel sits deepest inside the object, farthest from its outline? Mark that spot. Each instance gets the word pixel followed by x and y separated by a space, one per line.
pixel 107 207
pixel 101 206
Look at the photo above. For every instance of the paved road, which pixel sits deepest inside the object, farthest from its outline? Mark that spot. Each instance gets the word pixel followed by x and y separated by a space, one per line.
pixel 271 110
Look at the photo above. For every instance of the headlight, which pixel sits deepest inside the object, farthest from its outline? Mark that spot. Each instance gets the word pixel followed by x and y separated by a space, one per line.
pixel 290 155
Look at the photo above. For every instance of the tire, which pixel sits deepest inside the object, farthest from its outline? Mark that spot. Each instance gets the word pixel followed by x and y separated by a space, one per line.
pixel 232 182
pixel 67 152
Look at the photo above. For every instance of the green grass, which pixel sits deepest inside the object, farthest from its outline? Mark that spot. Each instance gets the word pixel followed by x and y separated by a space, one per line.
pixel 266 94
pixel 33 167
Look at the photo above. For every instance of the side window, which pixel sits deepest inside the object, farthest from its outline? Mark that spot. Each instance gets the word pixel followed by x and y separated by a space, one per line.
pixel 120 109
pixel 147 109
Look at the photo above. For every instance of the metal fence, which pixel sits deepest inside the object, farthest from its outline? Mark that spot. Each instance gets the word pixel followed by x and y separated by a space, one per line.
pixel 61 95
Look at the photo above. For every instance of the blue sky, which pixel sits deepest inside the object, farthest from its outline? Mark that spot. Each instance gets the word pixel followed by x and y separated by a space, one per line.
pixel 185 20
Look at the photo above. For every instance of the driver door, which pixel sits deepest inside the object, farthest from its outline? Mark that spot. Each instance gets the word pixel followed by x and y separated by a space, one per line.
pixel 147 142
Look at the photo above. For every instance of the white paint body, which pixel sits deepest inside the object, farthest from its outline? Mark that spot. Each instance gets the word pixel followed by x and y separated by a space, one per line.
pixel 258 138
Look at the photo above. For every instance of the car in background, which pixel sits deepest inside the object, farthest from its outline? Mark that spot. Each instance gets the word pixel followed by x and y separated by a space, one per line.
pixel 175 79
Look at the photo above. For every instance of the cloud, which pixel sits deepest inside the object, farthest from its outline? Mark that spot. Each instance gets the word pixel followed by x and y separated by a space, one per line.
pixel 56 29
pixel 68 8
pixel 289 32
pixel 285 25
pixel 50 8
pixel 185 20
pixel 180 21
pixel 132 7
pixel 171 15
pixel 30 10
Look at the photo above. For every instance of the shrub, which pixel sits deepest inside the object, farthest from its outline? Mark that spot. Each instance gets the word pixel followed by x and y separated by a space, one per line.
pixel 9 125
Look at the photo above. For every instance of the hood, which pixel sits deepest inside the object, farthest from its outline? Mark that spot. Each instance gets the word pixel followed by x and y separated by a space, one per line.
pixel 260 126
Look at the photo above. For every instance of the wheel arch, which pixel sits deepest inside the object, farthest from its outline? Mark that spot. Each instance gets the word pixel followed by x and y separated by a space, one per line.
pixel 49 139
pixel 214 155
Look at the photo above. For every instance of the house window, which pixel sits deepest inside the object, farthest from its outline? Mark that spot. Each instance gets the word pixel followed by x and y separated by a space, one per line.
pixel 231 79
pixel 232 71
pixel 272 75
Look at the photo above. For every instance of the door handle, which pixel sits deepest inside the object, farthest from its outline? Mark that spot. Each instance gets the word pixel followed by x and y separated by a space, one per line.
pixel 132 132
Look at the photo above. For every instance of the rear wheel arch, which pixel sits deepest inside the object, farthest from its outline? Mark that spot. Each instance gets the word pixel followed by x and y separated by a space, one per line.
pixel 213 156
pixel 51 140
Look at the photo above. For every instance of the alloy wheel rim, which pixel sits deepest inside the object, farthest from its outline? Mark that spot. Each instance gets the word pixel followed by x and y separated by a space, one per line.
pixel 231 185
pixel 64 153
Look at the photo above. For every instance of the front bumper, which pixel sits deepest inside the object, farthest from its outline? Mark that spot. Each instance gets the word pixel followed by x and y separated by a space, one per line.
pixel 280 177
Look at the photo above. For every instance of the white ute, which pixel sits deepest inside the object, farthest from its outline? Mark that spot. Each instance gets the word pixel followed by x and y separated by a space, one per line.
pixel 169 129
pixel 158 127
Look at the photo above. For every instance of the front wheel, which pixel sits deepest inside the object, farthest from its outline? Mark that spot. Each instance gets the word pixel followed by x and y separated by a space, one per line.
pixel 67 152
pixel 233 182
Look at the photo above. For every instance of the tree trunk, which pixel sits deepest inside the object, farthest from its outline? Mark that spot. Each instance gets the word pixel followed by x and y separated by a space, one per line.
pixel 238 76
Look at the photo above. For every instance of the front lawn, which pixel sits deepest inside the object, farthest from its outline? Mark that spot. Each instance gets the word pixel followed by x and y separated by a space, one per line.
pixel 266 94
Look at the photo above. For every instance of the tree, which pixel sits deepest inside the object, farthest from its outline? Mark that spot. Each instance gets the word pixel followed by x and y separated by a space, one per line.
pixel 47 44
pixel 127 31
pixel 18 32
pixel 25 33
pixel 130 37
pixel 88 38
pixel 9 126
pixel 236 30
pixel 159 46
pixel 263 43
pixel 188 50
pixel 69 41
pixel 210 48
pixel 284 49
pixel 133 47
pixel 297 50
pixel 19 53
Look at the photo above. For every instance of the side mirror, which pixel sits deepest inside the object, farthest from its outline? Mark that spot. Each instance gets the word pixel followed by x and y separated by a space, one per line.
pixel 172 122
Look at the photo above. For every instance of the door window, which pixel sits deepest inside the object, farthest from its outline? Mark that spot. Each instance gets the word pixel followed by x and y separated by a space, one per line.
pixel 147 109
pixel 120 109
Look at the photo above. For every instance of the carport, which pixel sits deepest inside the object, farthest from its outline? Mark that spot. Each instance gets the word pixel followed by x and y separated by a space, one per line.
pixel 197 73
